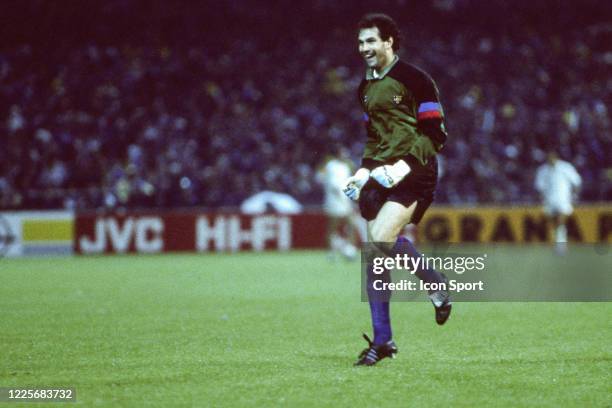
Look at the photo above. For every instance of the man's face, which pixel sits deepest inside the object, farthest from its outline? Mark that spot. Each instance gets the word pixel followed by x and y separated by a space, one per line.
pixel 373 49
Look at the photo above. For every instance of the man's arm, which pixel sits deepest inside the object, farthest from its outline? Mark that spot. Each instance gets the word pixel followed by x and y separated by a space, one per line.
pixel 430 114
pixel 539 183
pixel 573 176
pixel 430 121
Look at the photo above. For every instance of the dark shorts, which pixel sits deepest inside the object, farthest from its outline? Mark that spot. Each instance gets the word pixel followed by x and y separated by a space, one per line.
pixel 419 186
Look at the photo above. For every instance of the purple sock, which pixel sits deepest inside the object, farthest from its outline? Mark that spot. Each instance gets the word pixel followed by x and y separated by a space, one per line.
pixel 379 307
pixel 404 246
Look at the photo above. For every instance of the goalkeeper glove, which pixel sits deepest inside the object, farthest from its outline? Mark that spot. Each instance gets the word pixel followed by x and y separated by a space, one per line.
pixel 354 184
pixel 390 175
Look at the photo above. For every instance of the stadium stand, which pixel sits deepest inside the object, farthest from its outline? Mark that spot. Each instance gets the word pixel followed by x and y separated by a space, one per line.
pixel 170 108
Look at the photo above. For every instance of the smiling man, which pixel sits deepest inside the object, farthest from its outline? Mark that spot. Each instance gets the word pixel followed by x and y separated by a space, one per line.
pixel 397 179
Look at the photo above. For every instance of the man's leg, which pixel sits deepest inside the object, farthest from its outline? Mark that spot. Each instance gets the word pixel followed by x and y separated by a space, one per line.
pixel 347 238
pixel 389 222
pixel 559 223
pixel 332 237
pixel 385 230
pixel 560 228
pixel 383 234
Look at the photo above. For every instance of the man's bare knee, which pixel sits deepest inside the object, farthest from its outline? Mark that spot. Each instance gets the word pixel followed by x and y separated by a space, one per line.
pixel 383 233
pixel 390 221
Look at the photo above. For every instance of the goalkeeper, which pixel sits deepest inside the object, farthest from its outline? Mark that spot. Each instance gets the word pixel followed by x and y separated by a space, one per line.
pixel 398 175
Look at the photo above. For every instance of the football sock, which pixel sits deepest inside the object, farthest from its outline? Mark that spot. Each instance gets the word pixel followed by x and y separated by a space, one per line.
pixel 379 306
pixel 561 239
pixel 404 246
pixel 561 233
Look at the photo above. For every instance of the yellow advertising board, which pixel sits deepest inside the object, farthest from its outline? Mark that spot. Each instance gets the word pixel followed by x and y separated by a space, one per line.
pixel 588 224
pixel 25 233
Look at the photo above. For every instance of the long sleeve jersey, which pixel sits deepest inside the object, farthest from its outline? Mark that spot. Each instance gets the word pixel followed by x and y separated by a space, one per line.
pixel 403 115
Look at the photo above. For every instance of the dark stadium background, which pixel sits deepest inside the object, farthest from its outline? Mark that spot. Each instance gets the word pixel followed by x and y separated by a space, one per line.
pixel 201 104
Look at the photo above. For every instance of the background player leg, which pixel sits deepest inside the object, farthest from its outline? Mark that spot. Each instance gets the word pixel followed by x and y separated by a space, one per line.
pixel 333 239
pixel 559 222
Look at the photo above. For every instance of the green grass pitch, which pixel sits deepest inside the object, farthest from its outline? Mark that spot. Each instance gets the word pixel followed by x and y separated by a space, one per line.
pixel 276 329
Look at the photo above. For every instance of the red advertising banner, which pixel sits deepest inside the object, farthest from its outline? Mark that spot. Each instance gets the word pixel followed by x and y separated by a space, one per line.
pixel 197 231
pixel 142 232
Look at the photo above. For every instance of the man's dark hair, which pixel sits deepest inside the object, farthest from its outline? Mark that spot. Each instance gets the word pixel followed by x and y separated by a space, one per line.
pixel 386 26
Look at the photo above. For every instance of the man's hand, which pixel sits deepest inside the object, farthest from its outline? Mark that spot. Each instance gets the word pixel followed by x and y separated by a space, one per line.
pixel 353 185
pixel 390 175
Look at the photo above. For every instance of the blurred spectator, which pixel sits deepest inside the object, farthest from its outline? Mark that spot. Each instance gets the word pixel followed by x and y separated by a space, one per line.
pixel 172 121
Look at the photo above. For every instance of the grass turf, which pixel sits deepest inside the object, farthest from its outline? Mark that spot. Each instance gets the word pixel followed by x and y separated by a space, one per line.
pixel 282 329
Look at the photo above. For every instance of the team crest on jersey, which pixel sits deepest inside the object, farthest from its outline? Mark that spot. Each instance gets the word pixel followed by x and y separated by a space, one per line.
pixel 397 99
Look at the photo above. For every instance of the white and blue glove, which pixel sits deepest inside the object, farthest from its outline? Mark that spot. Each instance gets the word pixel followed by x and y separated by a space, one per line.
pixel 390 175
pixel 353 185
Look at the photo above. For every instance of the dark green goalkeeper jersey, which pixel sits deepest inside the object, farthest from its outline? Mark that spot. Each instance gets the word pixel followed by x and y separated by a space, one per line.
pixel 403 115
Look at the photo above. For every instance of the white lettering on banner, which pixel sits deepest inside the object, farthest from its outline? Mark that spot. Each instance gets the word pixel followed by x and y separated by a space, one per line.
pixel 284 233
pixel 205 233
pixel 227 233
pixel 156 227
pixel 263 230
pixel 89 246
pixel 236 235
pixel 121 236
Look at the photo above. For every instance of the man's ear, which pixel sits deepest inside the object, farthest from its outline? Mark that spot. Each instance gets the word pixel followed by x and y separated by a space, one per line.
pixel 389 43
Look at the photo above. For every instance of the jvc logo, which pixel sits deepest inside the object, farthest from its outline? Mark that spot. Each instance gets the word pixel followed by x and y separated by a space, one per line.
pixel 144 232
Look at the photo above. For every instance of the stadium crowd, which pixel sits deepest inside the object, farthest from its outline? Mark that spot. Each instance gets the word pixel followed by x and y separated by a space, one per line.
pixel 152 124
